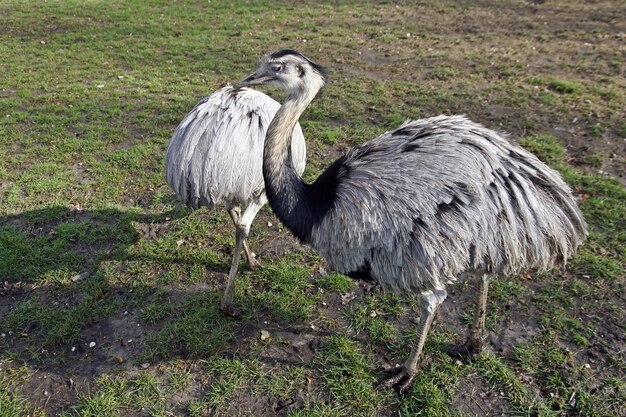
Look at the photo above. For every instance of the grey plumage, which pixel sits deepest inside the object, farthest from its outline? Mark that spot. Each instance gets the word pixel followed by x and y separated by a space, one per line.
pixel 443 196
pixel 419 206
pixel 215 158
pixel 216 152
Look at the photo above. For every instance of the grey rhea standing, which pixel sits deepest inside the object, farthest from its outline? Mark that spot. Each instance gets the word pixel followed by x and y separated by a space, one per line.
pixel 215 158
pixel 419 206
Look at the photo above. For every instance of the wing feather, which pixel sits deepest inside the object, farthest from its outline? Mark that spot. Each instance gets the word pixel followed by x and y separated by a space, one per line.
pixel 444 196
pixel 215 154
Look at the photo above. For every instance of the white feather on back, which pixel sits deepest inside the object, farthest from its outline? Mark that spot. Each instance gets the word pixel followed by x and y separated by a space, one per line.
pixel 215 155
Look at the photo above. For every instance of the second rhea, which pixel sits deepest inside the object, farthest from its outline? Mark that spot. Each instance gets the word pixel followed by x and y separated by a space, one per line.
pixel 419 206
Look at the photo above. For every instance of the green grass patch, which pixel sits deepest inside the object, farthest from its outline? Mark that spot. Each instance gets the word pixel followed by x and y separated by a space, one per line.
pixel 596 130
pixel 591 264
pixel 115 394
pixel 522 398
pixel 234 376
pixel 379 329
pixel 12 402
pixel 288 292
pixel 433 389
pixel 335 282
pixel 595 160
pixel 375 317
pixel 545 147
pixel 50 326
pixel 54 244
pixel 569 385
pixel 564 86
pixel 349 377
pixel 316 410
pixel 196 327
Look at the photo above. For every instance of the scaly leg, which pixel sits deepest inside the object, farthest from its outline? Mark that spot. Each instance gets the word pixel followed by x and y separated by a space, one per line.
pixel 252 263
pixel 474 342
pixel 431 301
pixel 227 300
pixel 242 229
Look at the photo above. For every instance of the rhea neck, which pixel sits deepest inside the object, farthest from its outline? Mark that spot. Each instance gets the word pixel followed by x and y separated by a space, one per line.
pixel 295 202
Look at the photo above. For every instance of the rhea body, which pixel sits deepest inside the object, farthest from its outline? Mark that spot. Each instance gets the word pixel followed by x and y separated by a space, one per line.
pixel 215 158
pixel 419 206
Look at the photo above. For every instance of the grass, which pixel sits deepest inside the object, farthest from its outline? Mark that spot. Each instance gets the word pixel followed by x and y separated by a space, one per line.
pixel 12 402
pixel 348 377
pixel 53 325
pixel 195 327
pixel 95 248
pixel 115 394
pixel 288 294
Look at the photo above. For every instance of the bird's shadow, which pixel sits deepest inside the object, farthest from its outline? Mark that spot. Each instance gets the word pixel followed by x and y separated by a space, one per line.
pixel 57 262
pixel 77 299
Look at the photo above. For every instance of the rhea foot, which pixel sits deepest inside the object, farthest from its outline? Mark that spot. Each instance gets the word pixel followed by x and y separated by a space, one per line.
pixel 253 264
pixel 250 257
pixel 401 380
pixel 230 310
pixel 468 350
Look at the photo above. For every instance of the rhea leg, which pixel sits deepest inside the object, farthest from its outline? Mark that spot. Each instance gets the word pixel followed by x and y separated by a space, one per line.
pixel 242 227
pixel 474 342
pixel 252 263
pixel 431 301
pixel 227 299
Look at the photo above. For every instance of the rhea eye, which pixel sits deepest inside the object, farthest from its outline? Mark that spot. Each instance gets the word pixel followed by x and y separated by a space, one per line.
pixel 276 67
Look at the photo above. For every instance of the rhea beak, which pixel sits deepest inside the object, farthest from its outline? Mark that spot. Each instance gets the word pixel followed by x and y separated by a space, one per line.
pixel 252 79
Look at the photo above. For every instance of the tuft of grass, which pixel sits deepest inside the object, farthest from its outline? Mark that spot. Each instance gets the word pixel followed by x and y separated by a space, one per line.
pixel 545 147
pixel 335 282
pixel 317 410
pixel 443 73
pixel 591 264
pixel 557 85
pixel 179 376
pixel 12 403
pixel 427 397
pixel 596 130
pixel 373 317
pixel 595 160
pixel 115 394
pixel 287 295
pixel 379 330
pixel 348 376
pixel 523 399
pixel 231 376
pixel 157 308
pixel 564 86
pixel 282 383
pixel 569 385
pixel 547 98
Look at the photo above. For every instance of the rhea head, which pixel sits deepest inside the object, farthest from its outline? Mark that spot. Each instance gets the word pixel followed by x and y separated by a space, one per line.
pixel 290 70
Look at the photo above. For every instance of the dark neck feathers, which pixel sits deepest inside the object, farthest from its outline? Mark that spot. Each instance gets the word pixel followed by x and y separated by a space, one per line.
pixel 298 205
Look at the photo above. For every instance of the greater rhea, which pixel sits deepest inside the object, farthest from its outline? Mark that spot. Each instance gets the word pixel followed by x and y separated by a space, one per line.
pixel 419 206
pixel 215 158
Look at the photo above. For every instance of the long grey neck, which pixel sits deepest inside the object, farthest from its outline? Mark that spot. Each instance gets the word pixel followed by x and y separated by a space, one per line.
pixel 285 189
